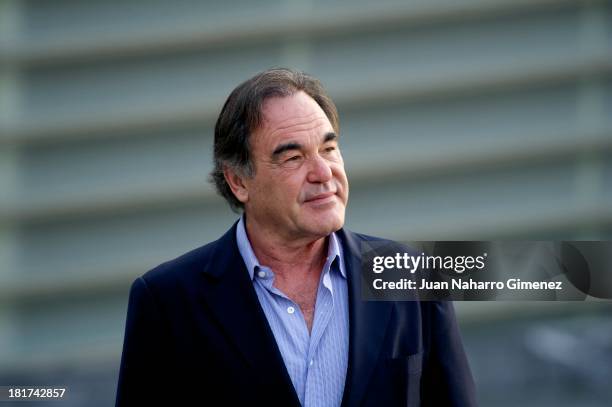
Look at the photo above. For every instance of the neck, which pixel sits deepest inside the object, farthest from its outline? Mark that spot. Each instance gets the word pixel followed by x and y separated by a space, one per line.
pixel 286 256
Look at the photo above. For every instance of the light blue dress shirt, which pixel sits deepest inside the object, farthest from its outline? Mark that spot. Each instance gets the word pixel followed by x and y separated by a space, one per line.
pixel 316 361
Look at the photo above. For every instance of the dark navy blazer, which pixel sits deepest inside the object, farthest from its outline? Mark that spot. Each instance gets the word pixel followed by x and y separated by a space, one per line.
pixel 196 335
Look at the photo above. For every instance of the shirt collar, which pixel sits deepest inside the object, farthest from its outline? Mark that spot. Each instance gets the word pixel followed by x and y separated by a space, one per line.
pixel 334 250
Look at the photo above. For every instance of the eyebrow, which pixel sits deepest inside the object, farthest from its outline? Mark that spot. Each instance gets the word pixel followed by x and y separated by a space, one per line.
pixel 296 146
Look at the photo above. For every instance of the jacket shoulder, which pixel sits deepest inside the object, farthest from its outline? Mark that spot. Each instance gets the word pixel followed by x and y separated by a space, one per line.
pixel 368 238
pixel 379 243
pixel 181 268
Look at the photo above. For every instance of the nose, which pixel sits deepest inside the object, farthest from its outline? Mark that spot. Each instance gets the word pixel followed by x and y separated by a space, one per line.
pixel 319 171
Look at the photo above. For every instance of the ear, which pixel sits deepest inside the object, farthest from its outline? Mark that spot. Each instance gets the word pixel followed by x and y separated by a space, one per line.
pixel 236 184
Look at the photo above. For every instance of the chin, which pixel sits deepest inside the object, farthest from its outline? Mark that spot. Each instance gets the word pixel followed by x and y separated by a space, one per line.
pixel 324 227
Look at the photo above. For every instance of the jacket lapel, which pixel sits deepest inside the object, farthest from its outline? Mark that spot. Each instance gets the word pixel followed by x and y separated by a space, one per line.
pixel 231 298
pixel 367 325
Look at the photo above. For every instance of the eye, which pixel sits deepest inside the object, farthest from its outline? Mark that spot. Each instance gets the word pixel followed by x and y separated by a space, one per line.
pixel 330 149
pixel 293 158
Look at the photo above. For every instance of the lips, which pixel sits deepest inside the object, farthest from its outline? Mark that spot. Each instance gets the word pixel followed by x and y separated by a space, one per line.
pixel 324 197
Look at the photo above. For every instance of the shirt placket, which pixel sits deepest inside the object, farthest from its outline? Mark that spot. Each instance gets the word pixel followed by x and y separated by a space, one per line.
pixel 323 313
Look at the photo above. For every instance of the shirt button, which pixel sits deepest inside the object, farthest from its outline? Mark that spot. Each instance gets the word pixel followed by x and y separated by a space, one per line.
pixel 261 274
pixel 290 310
pixel 312 362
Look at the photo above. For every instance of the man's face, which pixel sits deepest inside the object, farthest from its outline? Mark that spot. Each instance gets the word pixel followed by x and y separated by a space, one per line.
pixel 299 189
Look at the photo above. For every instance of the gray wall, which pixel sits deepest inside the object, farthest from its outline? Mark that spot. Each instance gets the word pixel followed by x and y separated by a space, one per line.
pixel 470 119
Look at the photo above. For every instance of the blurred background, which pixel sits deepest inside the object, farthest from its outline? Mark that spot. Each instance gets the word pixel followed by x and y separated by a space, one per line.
pixel 460 119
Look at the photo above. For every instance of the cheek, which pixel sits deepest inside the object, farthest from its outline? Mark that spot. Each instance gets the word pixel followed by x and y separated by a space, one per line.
pixel 286 186
pixel 340 175
pixel 343 184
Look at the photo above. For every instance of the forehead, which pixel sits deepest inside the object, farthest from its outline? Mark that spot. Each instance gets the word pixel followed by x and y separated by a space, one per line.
pixel 295 115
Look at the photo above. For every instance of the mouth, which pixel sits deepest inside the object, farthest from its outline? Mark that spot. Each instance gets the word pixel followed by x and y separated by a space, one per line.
pixel 320 199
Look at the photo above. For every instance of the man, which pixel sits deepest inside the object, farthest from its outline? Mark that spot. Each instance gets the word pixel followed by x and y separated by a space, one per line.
pixel 271 313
